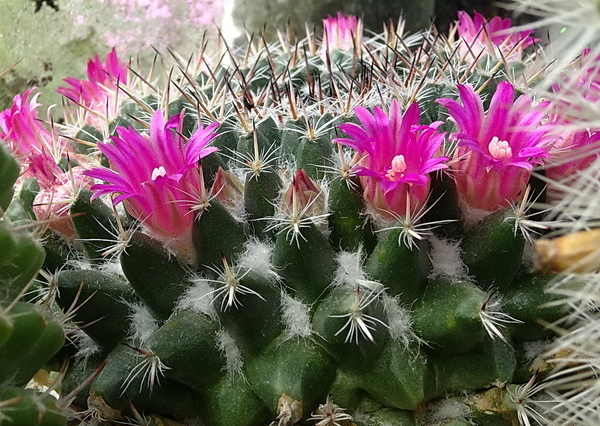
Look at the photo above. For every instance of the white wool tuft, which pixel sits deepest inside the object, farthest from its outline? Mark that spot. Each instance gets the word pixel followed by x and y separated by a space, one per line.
pixel 366 419
pixel 143 324
pixel 470 215
pixel 199 297
pixel 80 263
pixel 349 270
pixel 445 410
pixel 86 347
pixel 399 321
pixel 445 259
pixel 111 268
pixel 257 258
pixel 295 318
pixel 234 362
pixel 535 349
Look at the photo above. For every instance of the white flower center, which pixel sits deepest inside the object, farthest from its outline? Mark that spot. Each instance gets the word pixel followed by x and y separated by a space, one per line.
pixel 499 149
pixel 398 168
pixel 158 171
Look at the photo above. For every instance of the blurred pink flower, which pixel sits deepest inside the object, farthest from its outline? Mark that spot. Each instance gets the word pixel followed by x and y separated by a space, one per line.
pixel 341 32
pixel 57 192
pixel 575 91
pixel 24 133
pixel 396 157
pixel 578 89
pixel 137 26
pixel 98 92
pixel 491 36
pixel 157 176
pixel 498 149
pixel 573 151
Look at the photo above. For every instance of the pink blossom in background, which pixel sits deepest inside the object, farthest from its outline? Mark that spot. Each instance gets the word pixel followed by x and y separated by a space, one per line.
pixel 341 32
pixel 573 151
pixel 479 35
pixel 138 26
pixel 43 167
pixel 396 157
pixel 577 146
pixel 24 133
pixel 57 192
pixel 577 89
pixel 98 93
pixel 38 151
pixel 498 149
pixel 157 177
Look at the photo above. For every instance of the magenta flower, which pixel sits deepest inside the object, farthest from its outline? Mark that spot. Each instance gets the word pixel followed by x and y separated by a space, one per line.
pixel 341 32
pixel 157 177
pixel 496 35
pixel 577 91
pixel 573 151
pixel 98 92
pixel 396 157
pixel 577 145
pixel 497 150
pixel 58 190
pixel 577 86
pixel 136 26
pixel 24 133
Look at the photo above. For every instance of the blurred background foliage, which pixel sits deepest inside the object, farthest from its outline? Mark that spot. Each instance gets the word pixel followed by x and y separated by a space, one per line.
pixel 51 39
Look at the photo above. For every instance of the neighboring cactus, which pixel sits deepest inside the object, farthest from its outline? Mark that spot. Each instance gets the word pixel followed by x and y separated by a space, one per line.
pixel 332 252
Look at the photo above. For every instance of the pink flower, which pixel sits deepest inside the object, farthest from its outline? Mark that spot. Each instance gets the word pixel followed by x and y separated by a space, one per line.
pixel 577 145
pixel 497 150
pixel 573 151
pixel 98 92
pixel 43 168
pixel 396 157
pixel 496 35
pixel 341 32
pixel 24 133
pixel 157 176
pixel 137 26
pixel 58 190
pixel 578 90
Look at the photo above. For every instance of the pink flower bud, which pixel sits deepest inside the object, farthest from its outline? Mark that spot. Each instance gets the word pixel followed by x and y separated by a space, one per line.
pixel 304 196
pixel 341 32
pixel 227 189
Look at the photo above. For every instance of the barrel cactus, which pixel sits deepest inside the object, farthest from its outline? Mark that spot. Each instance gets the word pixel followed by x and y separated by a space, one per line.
pixel 337 230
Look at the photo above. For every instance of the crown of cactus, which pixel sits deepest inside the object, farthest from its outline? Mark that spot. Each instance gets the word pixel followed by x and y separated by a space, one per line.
pixel 329 233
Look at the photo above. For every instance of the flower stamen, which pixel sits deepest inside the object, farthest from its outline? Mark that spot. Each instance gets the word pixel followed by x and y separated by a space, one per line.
pixel 499 149
pixel 158 171
pixel 398 168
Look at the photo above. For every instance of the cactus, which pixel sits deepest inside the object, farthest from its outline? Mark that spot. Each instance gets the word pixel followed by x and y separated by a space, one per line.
pixel 335 233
